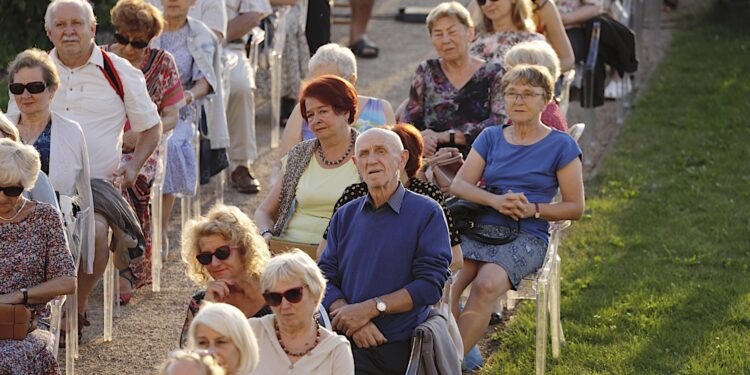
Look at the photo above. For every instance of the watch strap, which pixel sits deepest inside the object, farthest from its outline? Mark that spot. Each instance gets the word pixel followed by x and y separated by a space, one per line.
pixel 25 293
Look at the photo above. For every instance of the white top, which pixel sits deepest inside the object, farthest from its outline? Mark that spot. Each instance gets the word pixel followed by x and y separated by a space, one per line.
pixel 86 97
pixel 332 356
pixel 237 7
pixel 210 12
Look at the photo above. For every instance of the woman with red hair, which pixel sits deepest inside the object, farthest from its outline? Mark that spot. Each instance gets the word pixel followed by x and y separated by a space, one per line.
pixel 413 142
pixel 316 171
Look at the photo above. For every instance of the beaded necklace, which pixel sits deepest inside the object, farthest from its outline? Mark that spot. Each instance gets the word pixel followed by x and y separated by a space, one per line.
pixel 302 354
pixel 341 159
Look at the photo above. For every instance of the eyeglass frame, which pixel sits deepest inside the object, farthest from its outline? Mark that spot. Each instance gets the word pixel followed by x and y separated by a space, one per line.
pixel 218 253
pixel 481 3
pixel 524 96
pixel 122 40
pixel 27 87
pixel 267 296
pixel 4 189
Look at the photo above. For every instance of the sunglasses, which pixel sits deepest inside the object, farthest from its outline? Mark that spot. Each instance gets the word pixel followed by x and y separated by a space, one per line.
pixel 32 87
pixel 12 191
pixel 221 253
pixel 293 295
pixel 139 44
pixel 482 2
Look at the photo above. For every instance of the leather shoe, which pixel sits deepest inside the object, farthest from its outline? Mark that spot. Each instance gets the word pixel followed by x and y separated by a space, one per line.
pixel 243 181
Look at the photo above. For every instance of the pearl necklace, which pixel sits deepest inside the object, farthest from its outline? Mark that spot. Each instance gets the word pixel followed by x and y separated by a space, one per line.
pixel 302 354
pixel 341 159
pixel 23 205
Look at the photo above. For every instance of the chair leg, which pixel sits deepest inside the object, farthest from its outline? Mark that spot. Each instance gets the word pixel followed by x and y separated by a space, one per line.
pixel 541 326
pixel 109 276
pixel 156 238
pixel 555 324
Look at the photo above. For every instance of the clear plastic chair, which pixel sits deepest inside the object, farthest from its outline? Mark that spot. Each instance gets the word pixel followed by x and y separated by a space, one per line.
pixel 157 189
pixel 257 37
pixel 191 205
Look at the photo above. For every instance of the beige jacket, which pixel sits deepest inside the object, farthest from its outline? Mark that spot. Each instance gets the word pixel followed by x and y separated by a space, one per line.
pixel 332 356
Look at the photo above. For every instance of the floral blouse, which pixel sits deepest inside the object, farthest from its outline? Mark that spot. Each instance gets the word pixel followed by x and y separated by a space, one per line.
pixel 434 103
pixel 492 47
pixel 416 185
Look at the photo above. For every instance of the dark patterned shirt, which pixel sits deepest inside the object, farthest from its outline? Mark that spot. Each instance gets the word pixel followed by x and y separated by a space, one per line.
pixel 416 185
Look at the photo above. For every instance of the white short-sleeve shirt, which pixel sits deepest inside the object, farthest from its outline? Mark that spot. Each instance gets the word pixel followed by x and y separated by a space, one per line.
pixel 211 12
pixel 237 7
pixel 85 96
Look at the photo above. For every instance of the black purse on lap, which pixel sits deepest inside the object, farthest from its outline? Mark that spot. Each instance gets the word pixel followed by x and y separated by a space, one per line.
pixel 466 212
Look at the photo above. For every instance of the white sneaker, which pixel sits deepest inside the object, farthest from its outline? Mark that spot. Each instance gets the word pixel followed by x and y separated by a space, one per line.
pixel 617 89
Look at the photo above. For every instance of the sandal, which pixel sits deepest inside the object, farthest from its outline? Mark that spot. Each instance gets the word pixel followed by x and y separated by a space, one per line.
pixel 128 275
pixel 365 48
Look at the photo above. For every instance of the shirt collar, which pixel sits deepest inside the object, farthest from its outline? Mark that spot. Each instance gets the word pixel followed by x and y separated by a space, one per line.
pixel 394 202
pixel 95 58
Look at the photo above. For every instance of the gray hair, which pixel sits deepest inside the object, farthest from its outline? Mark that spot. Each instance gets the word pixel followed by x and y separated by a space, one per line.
pixel 230 322
pixel 35 58
pixel 206 363
pixel 449 9
pixel 537 52
pixel 88 11
pixel 532 75
pixel 20 164
pixel 294 265
pixel 336 55
pixel 392 139
pixel 7 130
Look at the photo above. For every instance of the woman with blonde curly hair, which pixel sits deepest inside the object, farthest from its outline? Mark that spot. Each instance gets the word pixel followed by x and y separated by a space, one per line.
pixel 225 254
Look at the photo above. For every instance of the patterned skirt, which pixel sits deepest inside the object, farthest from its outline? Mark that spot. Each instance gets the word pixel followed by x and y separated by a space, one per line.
pixel 518 258
pixel 31 356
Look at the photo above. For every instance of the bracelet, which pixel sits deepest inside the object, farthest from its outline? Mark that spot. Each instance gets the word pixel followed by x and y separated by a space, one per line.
pixel 192 96
pixel 537 214
pixel 263 233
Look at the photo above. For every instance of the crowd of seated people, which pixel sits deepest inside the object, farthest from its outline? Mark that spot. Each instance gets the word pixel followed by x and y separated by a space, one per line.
pixel 351 247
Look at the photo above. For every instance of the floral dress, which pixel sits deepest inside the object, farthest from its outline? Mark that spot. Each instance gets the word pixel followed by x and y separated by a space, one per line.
pixel 434 103
pixel 164 88
pixel 32 251
pixel 492 47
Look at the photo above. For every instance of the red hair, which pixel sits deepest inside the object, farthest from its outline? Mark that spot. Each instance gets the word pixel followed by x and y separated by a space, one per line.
pixel 412 140
pixel 334 91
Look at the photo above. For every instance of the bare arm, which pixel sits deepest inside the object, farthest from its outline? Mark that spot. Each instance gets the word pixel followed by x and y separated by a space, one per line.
pixel 268 211
pixel 200 89
pixel 581 15
pixel 43 292
pixel 556 36
pixel 169 116
pixel 570 179
pixel 390 117
pixel 242 24
pixel 348 319
pixel 293 131
pixel 145 145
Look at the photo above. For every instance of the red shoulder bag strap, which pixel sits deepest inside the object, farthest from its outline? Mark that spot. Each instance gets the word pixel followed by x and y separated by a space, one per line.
pixel 113 78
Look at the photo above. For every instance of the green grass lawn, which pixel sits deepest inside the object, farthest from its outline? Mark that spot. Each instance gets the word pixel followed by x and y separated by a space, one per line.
pixel 656 277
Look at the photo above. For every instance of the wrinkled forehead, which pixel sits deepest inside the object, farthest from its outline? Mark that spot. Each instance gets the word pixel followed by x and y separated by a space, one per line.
pixel 68 11
pixel 376 140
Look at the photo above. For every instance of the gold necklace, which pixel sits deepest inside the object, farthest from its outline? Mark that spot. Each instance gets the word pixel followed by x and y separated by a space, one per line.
pixel 23 205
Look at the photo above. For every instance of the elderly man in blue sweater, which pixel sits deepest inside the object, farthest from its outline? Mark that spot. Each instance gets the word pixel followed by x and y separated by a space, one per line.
pixel 386 260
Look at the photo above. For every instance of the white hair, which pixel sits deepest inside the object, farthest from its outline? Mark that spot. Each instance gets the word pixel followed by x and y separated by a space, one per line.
pixel 392 139
pixel 20 164
pixel 230 322
pixel 336 55
pixel 7 129
pixel 88 11
pixel 294 265
pixel 537 52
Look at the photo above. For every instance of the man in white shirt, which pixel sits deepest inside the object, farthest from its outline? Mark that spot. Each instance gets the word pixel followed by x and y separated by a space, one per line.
pixel 86 96
pixel 243 15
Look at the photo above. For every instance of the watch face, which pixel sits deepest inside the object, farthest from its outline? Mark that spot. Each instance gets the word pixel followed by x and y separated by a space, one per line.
pixel 381 306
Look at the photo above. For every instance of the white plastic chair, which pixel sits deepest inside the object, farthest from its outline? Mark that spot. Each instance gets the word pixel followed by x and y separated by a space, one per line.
pixel 576 131
pixel 157 189
pixel 274 60
pixel 258 36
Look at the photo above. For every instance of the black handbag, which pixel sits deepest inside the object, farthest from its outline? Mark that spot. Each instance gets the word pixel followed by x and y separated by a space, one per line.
pixel 466 212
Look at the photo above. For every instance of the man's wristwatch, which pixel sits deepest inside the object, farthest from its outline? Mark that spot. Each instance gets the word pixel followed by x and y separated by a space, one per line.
pixel 380 306
pixel 25 293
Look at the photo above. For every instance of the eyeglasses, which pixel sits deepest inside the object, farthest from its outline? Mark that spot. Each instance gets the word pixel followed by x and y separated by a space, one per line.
pixel 12 191
pixel 293 295
pixel 511 97
pixel 221 253
pixel 482 2
pixel 139 44
pixel 32 87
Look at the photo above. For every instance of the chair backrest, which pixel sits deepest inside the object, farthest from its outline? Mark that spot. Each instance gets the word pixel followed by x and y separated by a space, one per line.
pixel 576 131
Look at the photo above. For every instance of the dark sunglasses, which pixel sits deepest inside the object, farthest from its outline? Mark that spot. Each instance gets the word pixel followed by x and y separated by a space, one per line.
pixel 121 39
pixel 293 295
pixel 12 191
pixel 482 2
pixel 33 87
pixel 221 253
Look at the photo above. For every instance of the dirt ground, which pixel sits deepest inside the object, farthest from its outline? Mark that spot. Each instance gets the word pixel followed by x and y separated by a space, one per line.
pixel 148 328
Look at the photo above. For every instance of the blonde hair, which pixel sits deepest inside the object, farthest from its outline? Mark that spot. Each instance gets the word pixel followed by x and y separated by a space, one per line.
pixel 32 58
pixel 88 11
pixel 233 225
pixel 520 14
pixel 20 164
pixel 206 363
pixel 333 54
pixel 532 75
pixel 7 129
pixel 537 52
pixel 449 9
pixel 294 265
pixel 230 322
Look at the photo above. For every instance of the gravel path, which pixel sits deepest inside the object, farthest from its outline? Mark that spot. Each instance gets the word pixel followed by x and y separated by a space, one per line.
pixel 149 327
